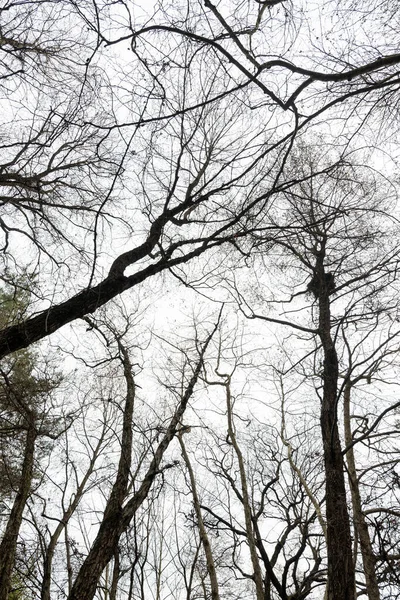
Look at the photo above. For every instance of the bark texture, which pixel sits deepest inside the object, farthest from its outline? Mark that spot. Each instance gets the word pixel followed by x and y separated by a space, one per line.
pixel 117 517
pixel 8 546
pixel 341 574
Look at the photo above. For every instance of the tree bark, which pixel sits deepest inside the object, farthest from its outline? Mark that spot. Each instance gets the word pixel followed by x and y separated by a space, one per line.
pixel 8 546
pixel 117 517
pixel 368 557
pixel 341 574
pixel 202 530
pixel 115 576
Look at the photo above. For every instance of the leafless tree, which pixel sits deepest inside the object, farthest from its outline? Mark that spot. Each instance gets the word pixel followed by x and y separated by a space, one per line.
pixel 171 143
pixel 330 235
pixel 201 137
pixel 120 510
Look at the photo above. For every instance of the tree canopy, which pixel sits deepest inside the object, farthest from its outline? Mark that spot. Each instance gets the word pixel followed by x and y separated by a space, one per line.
pixel 199 330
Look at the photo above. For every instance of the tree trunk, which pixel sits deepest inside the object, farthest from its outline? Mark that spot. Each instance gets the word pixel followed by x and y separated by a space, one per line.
pixel 117 518
pixel 106 542
pixel 115 576
pixel 258 578
pixel 341 574
pixel 368 557
pixel 200 523
pixel 90 299
pixel 8 546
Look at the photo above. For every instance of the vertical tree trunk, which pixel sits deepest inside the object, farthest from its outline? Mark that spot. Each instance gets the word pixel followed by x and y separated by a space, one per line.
pixel 68 560
pixel 8 544
pixel 117 517
pixel 49 555
pixel 202 530
pixel 106 542
pixel 115 576
pixel 341 574
pixel 368 557
pixel 258 579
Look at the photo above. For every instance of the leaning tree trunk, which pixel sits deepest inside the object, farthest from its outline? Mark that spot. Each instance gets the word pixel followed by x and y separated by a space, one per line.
pixel 62 525
pixel 212 573
pixel 8 546
pixel 106 543
pixel 341 574
pixel 117 517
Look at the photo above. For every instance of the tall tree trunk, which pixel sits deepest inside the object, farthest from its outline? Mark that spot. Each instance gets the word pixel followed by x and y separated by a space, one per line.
pixel 106 542
pixel 341 574
pixel 117 517
pixel 115 576
pixel 49 555
pixel 368 557
pixel 8 546
pixel 212 573
pixel 248 517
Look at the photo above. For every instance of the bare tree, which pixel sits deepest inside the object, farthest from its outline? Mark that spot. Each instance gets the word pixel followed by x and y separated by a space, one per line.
pixel 118 514
pixel 69 508
pixel 200 522
pixel 25 397
pixel 331 234
pixel 221 164
pixel 169 144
